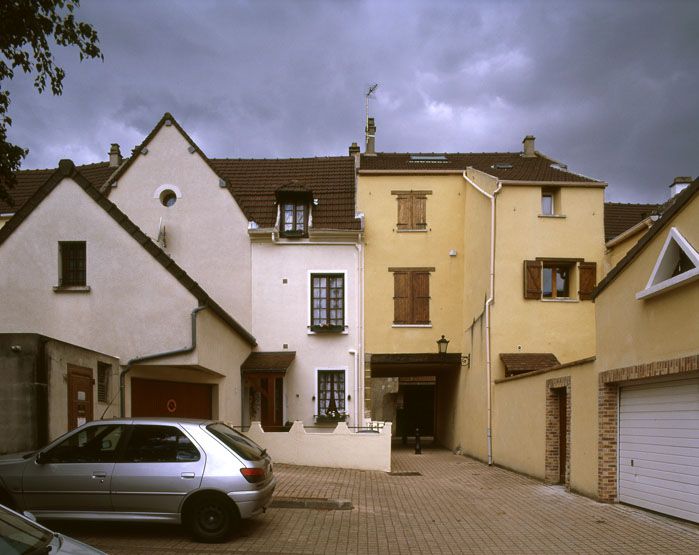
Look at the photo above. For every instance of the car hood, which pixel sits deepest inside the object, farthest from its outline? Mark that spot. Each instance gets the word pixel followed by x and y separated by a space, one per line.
pixel 64 545
pixel 15 457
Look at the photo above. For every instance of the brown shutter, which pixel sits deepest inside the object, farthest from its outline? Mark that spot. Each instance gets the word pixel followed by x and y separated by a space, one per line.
pixel 588 280
pixel 419 212
pixel 532 279
pixel 401 298
pixel 404 212
pixel 421 297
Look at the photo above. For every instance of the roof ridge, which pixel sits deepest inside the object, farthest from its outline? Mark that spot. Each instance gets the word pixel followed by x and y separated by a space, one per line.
pixel 336 157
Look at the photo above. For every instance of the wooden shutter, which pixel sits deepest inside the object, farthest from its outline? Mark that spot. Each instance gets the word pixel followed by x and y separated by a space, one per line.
pixel 401 298
pixel 419 212
pixel 588 280
pixel 421 297
pixel 532 279
pixel 404 212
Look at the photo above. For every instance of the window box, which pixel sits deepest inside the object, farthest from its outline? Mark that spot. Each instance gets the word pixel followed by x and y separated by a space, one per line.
pixel 328 328
pixel 331 418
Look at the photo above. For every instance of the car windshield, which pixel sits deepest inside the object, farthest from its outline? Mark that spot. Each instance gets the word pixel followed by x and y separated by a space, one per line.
pixel 18 535
pixel 236 441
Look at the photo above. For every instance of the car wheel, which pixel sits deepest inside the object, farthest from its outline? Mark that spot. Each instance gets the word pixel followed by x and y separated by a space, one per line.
pixel 212 518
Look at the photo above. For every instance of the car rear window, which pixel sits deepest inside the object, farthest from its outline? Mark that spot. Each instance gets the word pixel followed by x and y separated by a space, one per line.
pixel 237 442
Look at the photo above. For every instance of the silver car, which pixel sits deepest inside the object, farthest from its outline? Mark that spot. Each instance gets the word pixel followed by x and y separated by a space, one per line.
pixel 200 473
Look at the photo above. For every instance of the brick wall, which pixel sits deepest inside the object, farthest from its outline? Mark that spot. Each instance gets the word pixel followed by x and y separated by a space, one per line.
pixel 555 387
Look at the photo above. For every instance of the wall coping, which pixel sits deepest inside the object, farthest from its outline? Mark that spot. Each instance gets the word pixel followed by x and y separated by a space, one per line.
pixel 578 362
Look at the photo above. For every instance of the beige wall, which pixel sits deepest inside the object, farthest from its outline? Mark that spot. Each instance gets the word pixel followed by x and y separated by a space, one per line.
pixel 631 331
pixel 206 232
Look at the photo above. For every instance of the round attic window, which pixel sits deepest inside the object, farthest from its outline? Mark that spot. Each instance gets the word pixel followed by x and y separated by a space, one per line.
pixel 168 197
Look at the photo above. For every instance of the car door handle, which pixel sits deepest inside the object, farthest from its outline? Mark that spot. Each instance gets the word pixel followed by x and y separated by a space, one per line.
pixel 99 474
pixel 187 474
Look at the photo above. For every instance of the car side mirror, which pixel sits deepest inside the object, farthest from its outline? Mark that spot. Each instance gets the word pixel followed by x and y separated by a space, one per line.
pixel 41 458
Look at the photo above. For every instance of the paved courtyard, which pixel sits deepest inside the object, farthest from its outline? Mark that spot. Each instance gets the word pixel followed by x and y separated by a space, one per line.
pixel 454 505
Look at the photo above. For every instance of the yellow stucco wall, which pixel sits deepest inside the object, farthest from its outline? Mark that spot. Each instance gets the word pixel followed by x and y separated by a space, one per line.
pixel 613 255
pixel 631 331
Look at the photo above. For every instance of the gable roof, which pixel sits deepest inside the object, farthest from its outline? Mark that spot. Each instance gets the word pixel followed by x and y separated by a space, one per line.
pixel 678 202
pixel 619 217
pixel 66 168
pixel 506 166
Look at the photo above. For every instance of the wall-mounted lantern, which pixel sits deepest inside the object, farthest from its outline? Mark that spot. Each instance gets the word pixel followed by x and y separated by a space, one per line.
pixel 442 345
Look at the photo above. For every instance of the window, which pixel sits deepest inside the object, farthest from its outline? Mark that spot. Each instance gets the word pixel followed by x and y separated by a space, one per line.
pixel 327 302
pixel 159 444
pixel 331 393
pixel 412 207
pixel 89 445
pixel 411 296
pixel 550 202
pixel 553 279
pixel 168 198
pixel 103 372
pixel 294 218
pixel 72 260
pixel 236 442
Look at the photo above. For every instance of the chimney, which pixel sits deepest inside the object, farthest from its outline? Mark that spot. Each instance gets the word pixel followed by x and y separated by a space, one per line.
pixel 528 143
pixel 115 158
pixel 354 149
pixel 370 137
pixel 679 184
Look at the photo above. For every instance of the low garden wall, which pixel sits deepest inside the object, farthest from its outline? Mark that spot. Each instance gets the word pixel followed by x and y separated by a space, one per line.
pixel 341 448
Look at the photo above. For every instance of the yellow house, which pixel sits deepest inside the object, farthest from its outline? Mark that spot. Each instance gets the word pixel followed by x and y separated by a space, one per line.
pixel 498 253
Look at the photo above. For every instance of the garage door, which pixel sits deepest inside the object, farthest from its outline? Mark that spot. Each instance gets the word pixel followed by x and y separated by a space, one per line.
pixel 659 447
pixel 162 398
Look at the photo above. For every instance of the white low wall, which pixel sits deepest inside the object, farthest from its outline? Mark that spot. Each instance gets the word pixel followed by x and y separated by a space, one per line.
pixel 342 448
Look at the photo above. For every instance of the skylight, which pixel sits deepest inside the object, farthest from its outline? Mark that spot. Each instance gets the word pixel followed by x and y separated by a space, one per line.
pixel 428 158
pixel 502 166
pixel 677 264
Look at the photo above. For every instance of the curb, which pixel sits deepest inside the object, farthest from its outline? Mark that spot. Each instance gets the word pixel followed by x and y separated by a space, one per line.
pixel 311 503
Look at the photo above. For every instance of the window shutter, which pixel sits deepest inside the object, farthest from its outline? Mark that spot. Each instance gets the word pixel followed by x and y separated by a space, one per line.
pixel 421 297
pixel 401 298
pixel 532 279
pixel 588 280
pixel 403 212
pixel 419 212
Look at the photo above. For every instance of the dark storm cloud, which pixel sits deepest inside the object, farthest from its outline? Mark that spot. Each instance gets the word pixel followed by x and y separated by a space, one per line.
pixel 607 87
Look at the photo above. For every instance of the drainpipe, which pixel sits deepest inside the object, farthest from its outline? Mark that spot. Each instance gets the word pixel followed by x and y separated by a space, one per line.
pixel 488 302
pixel 134 361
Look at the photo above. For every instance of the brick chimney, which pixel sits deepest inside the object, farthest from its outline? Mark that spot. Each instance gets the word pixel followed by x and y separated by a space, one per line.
pixel 354 149
pixel 370 137
pixel 528 142
pixel 679 184
pixel 115 158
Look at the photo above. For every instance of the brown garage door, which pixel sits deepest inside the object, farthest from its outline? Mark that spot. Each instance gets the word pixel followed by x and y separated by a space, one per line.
pixel 161 398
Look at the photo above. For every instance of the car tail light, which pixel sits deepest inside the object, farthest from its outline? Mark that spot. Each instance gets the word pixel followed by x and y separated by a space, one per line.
pixel 254 475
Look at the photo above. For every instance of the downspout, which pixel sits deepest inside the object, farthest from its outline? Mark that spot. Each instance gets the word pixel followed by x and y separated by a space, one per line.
pixel 359 351
pixel 133 361
pixel 488 302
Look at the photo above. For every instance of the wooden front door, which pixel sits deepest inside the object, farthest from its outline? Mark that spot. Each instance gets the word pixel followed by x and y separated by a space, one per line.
pixel 177 399
pixel 80 384
pixel 266 399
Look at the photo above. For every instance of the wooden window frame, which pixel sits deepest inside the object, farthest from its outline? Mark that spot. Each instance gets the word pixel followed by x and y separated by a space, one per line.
pixel 414 306
pixel 534 278
pixel 297 229
pixel 338 325
pixel 555 267
pixel 324 405
pixel 412 210
pixel 70 255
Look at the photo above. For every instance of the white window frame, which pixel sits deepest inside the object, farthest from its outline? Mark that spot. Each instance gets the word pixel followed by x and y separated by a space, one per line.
pixel 309 299
pixel 165 187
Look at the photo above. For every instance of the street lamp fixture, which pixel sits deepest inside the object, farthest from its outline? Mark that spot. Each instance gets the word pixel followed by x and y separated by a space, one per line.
pixel 442 345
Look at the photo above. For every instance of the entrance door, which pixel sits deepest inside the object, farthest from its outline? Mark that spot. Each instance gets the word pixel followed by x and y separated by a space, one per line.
pixel 163 398
pixel 266 399
pixel 80 407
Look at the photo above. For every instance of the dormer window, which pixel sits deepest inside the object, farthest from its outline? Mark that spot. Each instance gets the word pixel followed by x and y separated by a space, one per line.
pixel 294 218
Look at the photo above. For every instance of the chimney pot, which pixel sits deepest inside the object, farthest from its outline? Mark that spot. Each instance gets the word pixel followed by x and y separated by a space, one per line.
pixel 370 137
pixel 354 149
pixel 528 142
pixel 115 158
pixel 679 184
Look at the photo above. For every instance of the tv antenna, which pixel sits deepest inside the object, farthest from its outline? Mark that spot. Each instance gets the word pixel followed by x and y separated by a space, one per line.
pixel 367 96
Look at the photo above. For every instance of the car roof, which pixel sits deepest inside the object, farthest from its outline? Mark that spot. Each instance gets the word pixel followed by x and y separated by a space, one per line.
pixel 154 420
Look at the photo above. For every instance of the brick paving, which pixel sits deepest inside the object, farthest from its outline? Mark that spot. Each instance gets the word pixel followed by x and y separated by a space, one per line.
pixel 455 505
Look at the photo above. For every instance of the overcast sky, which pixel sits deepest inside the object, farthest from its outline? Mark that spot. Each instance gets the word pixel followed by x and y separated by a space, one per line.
pixel 611 88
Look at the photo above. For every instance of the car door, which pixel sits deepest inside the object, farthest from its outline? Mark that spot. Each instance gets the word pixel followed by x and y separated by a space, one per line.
pixel 75 474
pixel 158 467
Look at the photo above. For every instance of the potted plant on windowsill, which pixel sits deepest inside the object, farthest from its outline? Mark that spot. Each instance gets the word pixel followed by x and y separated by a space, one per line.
pixel 331 417
pixel 327 328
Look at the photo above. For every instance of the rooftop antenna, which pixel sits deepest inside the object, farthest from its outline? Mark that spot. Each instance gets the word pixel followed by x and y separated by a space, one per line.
pixel 367 96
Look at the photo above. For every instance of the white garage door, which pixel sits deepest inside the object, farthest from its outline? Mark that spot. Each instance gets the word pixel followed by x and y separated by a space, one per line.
pixel 659 447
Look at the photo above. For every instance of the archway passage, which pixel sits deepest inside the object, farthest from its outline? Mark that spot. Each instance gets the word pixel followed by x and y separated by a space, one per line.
pixel 408 389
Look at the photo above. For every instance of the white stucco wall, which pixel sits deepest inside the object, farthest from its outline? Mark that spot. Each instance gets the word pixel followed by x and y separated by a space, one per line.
pixel 206 231
pixel 281 316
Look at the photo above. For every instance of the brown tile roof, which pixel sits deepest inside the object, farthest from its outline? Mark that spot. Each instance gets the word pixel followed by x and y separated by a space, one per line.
pixel 29 182
pixel 619 217
pixel 254 182
pixel 268 362
pixel 66 168
pixel 537 168
pixel 520 363
pixel 671 208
